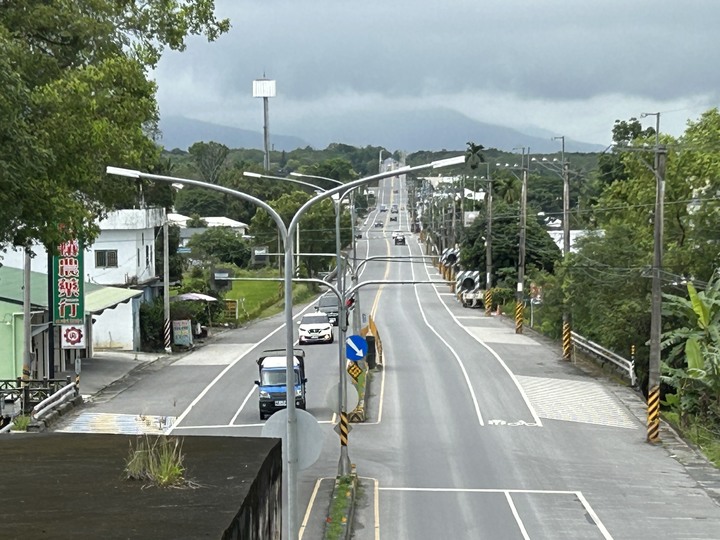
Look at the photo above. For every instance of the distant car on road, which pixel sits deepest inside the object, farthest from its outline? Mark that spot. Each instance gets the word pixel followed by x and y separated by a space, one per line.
pixel 400 240
pixel 328 304
pixel 383 208
pixel 396 191
pixel 393 218
pixel 358 235
pixel 379 224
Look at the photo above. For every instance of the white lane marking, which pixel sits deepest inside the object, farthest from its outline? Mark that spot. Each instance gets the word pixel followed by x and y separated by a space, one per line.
pixel 225 426
pixel 515 514
pixel 594 516
pixel 507 492
pixel 483 490
pixel 455 354
pixel 512 376
pixel 223 372
pixel 242 405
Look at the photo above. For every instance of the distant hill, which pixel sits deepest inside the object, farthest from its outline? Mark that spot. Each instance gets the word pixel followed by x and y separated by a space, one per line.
pixel 432 130
pixel 180 132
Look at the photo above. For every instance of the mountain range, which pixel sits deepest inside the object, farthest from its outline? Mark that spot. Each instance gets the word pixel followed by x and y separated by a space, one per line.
pixel 433 129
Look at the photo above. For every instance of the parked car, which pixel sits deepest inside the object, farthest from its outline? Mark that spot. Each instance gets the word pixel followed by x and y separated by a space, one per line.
pixel 315 328
pixel 400 240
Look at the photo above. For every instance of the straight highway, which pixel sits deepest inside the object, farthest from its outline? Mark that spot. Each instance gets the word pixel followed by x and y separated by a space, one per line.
pixel 473 431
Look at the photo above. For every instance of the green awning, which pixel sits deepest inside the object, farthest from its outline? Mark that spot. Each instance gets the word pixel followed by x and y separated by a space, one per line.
pixel 107 297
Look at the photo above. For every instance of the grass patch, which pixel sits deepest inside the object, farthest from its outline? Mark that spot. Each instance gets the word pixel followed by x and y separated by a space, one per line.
pixel 706 438
pixel 157 461
pixel 339 508
pixel 260 299
pixel 20 423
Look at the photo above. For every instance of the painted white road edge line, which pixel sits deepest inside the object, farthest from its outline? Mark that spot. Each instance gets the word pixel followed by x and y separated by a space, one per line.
pixel 310 505
pixel 455 354
pixel 525 398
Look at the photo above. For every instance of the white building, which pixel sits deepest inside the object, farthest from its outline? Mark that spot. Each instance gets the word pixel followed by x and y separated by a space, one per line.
pixel 122 256
pixel 186 233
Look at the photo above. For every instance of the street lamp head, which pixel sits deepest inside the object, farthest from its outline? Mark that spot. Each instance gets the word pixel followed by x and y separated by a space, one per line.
pixel 457 160
pixel 119 171
pixel 252 174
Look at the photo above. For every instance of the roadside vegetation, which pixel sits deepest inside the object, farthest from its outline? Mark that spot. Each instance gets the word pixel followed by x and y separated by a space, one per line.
pixel 156 461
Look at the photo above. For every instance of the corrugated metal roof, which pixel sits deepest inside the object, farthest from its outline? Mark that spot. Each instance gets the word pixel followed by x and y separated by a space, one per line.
pixel 97 297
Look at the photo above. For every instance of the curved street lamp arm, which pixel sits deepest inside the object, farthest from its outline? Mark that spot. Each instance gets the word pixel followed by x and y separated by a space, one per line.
pixel 172 179
pixel 267 176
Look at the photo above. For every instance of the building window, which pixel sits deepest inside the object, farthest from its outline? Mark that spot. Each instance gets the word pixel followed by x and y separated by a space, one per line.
pixel 147 256
pixel 106 258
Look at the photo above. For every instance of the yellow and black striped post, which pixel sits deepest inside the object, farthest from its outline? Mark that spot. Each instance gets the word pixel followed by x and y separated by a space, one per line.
pixel 343 429
pixel 488 303
pixel 519 308
pixel 566 341
pixel 653 415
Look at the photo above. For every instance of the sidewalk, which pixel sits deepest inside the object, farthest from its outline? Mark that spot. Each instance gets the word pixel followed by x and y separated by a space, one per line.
pixel 106 367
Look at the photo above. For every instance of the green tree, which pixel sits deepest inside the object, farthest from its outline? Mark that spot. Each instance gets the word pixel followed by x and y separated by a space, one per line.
pixel 317 228
pixel 221 244
pixel 209 159
pixel 76 97
pixel 541 251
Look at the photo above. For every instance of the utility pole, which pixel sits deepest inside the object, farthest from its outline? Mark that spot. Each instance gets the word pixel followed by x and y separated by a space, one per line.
pixel 566 321
pixel 519 306
pixel 653 405
pixel 166 283
pixel 488 245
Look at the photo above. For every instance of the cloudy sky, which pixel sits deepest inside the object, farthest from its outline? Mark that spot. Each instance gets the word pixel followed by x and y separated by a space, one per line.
pixel 569 67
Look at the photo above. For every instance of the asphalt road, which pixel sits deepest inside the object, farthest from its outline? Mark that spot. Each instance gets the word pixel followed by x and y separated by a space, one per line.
pixel 473 431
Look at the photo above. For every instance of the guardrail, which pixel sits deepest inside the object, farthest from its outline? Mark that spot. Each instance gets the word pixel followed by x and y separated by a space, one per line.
pixel 48 404
pixel 625 365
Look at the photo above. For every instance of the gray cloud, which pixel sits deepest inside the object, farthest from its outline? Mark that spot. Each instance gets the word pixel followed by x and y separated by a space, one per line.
pixel 563 65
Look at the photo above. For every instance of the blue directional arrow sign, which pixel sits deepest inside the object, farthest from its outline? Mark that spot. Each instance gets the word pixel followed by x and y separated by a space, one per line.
pixel 355 348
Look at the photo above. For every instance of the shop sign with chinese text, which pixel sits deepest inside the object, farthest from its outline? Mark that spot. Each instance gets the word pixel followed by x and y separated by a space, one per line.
pixel 68 291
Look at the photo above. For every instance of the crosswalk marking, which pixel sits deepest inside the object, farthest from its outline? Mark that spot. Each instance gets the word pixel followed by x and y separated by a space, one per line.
pixel 576 401
pixel 125 424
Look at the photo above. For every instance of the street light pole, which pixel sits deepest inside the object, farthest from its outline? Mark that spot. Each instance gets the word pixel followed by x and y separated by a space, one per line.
pixel 653 405
pixel 291 438
pixel 287 236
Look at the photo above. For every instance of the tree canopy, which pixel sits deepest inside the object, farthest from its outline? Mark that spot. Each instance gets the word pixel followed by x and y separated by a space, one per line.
pixel 76 98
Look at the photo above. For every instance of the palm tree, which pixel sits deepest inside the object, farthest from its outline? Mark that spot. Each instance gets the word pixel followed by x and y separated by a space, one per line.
pixel 473 155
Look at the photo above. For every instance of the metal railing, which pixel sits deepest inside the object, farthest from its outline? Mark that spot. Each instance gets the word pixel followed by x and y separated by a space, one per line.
pixel 48 404
pixel 625 365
